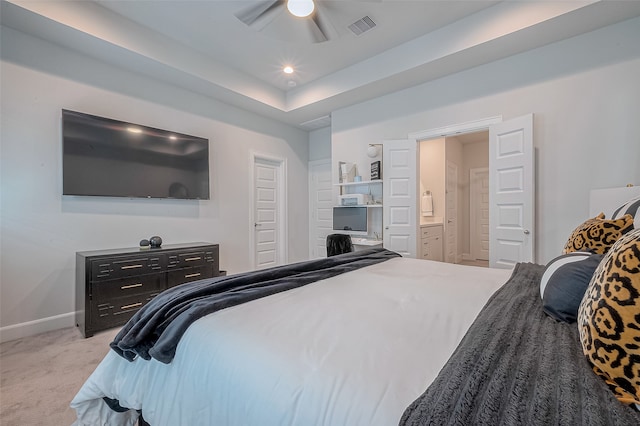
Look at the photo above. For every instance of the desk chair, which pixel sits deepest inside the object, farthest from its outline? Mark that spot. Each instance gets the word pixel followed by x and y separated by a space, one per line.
pixel 338 244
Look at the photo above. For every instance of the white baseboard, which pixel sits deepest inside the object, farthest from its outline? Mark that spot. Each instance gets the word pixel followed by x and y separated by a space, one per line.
pixel 31 328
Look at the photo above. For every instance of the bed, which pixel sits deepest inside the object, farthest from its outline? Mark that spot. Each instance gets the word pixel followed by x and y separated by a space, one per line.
pixel 392 341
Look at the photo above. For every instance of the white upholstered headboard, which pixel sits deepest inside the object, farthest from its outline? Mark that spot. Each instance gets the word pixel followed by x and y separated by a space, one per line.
pixel 607 200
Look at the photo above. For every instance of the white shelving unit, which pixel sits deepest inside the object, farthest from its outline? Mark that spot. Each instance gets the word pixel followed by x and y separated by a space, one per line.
pixel 362 182
pixel 374 188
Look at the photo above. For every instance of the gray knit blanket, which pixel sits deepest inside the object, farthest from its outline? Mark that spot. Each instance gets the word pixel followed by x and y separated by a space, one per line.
pixel 517 366
pixel 155 330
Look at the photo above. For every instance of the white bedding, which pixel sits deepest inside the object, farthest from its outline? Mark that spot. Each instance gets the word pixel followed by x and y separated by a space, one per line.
pixel 355 349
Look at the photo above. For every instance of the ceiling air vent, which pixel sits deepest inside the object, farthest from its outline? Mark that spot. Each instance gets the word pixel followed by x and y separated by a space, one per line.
pixel 362 25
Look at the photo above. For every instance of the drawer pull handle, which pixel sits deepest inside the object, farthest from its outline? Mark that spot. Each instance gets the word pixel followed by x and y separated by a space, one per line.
pixel 124 287
pixel 197 274
pixel 133 305
pixel 189 259
pixel 131 266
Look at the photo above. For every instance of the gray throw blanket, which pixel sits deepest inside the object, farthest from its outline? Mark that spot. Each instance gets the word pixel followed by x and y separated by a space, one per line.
pixel 517 366
pixel 155 330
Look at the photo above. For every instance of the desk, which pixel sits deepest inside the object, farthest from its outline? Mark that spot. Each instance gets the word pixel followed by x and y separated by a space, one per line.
pixel 365 243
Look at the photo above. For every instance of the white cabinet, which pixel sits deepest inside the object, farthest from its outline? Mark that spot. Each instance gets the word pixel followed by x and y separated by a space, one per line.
pixel 431 242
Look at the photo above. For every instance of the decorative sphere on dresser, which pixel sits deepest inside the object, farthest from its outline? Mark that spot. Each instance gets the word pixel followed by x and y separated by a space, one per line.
pixel 144 244
pixel 155 241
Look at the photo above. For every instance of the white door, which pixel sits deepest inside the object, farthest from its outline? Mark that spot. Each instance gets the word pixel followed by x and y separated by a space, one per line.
pixel 320 207
pixel 512 192
pixel 451 212
pixel 268 200
pixel 399 165
pixel 479 214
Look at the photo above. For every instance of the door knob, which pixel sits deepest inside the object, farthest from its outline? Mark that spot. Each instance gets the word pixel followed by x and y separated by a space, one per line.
pixel 526 232
pixel 386 227
pixel 255 225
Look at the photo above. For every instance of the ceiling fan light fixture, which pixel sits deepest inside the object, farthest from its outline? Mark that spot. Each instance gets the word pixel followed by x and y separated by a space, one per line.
pixel 300 8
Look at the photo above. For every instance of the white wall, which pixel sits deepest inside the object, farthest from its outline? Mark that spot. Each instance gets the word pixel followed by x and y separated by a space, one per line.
pixel 584 92
pixel 41 230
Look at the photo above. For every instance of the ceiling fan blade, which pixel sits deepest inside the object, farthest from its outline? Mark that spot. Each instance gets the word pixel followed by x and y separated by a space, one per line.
pixel 320 28
pixel 252 14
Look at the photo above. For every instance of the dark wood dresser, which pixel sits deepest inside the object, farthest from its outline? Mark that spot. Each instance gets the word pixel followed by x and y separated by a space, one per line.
pixel 111 285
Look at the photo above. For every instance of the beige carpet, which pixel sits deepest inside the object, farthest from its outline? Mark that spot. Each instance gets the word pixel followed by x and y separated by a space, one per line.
pixel 39 375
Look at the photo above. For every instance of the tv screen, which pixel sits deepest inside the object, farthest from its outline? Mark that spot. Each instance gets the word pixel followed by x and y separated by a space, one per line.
pixel 105 157
pixel 352 220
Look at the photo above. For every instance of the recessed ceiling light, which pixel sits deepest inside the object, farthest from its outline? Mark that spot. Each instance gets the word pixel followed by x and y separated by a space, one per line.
pixel 300 8
pixel 291 83
pixel 288 70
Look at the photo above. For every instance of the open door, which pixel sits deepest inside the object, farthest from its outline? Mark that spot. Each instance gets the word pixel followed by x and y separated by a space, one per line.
pixel 399 196
pixel 512 192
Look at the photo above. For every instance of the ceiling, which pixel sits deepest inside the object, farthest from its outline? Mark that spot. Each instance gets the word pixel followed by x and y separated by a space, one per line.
pixel 202 46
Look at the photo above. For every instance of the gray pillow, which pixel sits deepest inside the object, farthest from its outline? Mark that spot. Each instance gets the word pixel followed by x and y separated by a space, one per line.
pixel 564 283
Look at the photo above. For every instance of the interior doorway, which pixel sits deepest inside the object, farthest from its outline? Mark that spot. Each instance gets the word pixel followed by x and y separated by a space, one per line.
pixel 268 207
pixel 511 184
pixel 445 171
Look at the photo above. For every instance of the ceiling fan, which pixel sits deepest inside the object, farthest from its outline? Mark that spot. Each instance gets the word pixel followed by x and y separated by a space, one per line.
pixel 265 12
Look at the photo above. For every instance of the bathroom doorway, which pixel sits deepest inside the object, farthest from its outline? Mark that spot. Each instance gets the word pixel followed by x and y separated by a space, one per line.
pixel 465 223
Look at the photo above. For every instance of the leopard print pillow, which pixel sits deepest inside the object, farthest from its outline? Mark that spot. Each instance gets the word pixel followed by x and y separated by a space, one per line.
pixel 598 235
pixel 609 319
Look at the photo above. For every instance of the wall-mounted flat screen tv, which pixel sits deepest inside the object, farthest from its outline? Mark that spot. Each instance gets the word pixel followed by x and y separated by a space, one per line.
pixel 350 220
pixel 111 158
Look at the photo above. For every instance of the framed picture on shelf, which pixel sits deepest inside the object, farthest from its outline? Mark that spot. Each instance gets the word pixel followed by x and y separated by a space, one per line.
pixel 376 171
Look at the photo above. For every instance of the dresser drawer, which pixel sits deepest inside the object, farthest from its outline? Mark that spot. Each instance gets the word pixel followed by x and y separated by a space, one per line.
pixel 129 286
pixel 204 256
pixel 111 268
pixel 431 231
pixel 118 311
pixel 183 260
pixel 186 275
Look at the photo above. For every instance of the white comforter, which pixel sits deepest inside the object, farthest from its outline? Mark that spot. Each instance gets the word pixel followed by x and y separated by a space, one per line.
pixel 355 349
